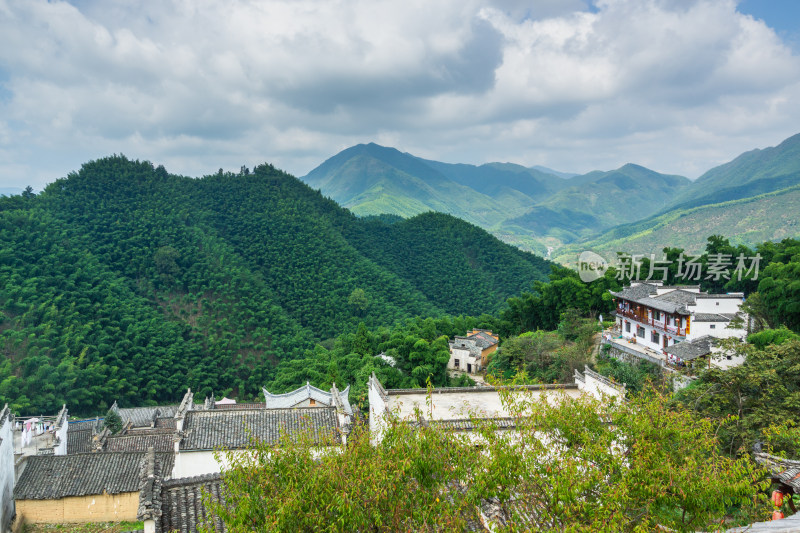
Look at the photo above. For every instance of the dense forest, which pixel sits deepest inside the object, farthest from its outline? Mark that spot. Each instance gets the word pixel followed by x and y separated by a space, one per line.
pixel 123 282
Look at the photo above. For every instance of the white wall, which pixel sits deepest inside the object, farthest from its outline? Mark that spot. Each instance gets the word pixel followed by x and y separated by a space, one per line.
pixel 721 330
pixel 464 357
pixel 717 305
pixel 61 433
pixel 377 411
pixel 6 469
pixel 196 463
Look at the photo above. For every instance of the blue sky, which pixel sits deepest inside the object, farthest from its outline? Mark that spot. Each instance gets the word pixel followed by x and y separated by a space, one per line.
pixel 781 15
pixel 678 86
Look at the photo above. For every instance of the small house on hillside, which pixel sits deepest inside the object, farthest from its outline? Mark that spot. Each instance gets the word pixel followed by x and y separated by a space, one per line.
pixel 470 353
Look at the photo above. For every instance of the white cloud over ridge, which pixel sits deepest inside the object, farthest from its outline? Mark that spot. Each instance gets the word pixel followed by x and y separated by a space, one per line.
pixel 199 84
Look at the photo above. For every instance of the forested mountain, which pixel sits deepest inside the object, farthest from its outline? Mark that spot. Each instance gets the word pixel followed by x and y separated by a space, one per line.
pixel 370 179
pixel 532 208
pixel 752 173
pixel 748 221
pixel 543 210
pixel 593 203
pixel 142 283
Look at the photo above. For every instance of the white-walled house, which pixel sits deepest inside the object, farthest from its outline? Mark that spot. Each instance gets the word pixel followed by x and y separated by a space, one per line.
pixel 200 433
pixel 654 318
pixel 456 408
pixel 469 353
pixel 6 468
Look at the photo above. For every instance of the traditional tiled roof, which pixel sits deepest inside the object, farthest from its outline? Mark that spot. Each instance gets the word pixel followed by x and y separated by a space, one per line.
pixel 5 414
pixel 207 430
pixel 467 424
pixel 679 297
pixel 636 292
pixel 783 470
pixel 712 317
pixel 79 441
pixel 50 477
pixel 692 349
pixel 308 392
pixel 182 507
pixel 466 343
pixel 166 423
pixel 483 339
pixel 161 442
pixel 259 405
pixel 730 295
pixel 94 423
pixel 144 416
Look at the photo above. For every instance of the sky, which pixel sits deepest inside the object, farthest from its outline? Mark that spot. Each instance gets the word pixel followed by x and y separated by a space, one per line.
pixel 678 86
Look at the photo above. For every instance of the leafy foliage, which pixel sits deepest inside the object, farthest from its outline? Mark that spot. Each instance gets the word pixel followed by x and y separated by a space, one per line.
pixel 570 465
pixel 758 401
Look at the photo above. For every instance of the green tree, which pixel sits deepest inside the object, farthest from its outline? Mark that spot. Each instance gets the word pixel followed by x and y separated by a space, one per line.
pixel 113 421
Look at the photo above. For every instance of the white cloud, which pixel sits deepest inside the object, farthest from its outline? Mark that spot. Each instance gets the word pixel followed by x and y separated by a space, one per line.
pixel 195 85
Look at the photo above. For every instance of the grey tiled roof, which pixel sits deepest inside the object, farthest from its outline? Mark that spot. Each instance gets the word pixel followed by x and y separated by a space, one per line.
pixel 307 392
pixel 636 292
pixel 49 477
pixel 679 297
pixel 144 416
pixel 483 340
pixel 712 317
pixel 784 470
pixel 94 423
pixel 206 430
pixel 674 301
pixel 259 405
pixel 79 441
pixel 466 424
pixel 166 423
pixel 692 349
pixel 181 503
pixel 161 442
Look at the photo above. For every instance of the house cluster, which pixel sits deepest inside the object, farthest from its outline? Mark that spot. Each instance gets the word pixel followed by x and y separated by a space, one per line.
pixel 158 466
pixel 470 353
pixel 675 326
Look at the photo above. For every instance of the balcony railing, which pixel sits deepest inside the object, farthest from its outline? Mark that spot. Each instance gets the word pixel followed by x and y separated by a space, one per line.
pixel 657 324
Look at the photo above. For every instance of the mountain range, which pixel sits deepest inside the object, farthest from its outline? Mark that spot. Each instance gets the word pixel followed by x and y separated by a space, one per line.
pixel 546 211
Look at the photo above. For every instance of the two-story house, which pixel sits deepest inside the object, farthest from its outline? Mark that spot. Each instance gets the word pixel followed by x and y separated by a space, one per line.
pixel 654 317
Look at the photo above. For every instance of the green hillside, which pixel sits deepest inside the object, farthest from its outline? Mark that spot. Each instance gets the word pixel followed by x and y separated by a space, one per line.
pixel 370 179
pixel 594 205
pixel 142 283
pixel 530 208
pixel 748 221
pixel 752 173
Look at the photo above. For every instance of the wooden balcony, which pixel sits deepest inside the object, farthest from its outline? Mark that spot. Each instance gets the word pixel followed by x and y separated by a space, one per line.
pixel 657 324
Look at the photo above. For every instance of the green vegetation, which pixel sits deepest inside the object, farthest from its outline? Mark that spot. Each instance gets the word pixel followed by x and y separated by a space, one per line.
pixel 756 402
pixel 746 221
pixel 546 356
pixel 112 421
pixel 570 465
pixel 123 282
